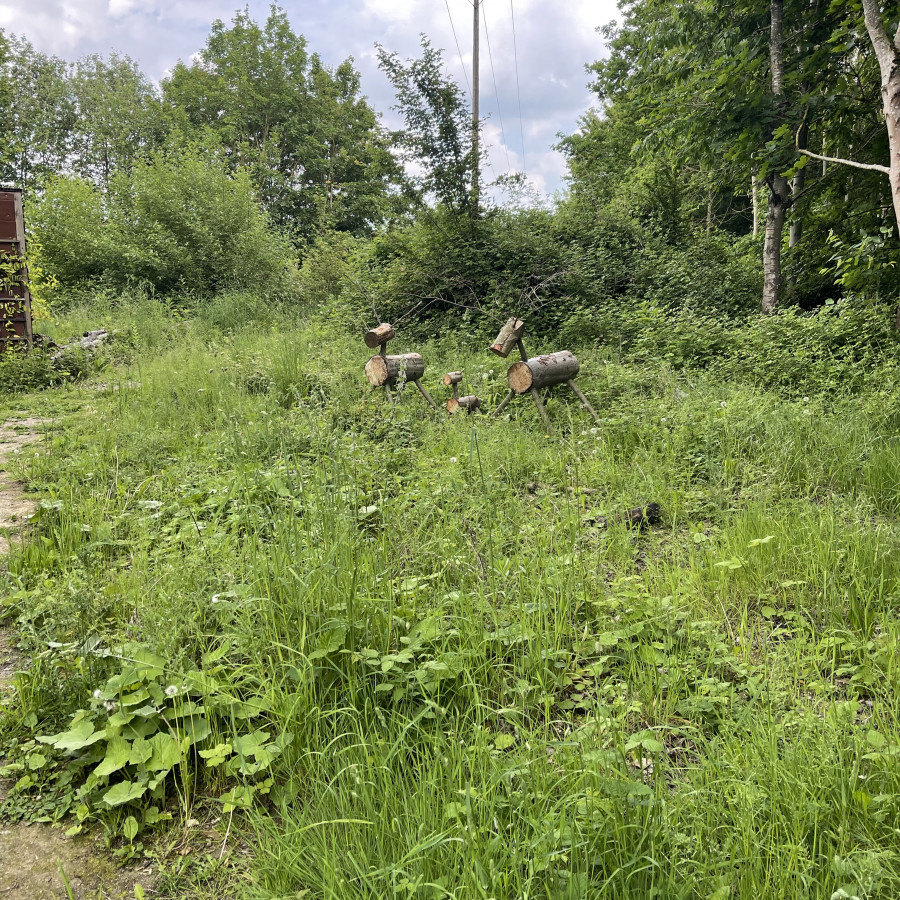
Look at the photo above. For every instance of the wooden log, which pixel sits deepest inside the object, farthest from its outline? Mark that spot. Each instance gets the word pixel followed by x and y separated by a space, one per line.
pixel 542 371
pixel 452 378
pixel 540 405
pixel 584 401
pixel 509 337
pixel 463 404
pixel 388 370
pixel 378 336
pixel 640 517
pixel 506 400
pixel 428 398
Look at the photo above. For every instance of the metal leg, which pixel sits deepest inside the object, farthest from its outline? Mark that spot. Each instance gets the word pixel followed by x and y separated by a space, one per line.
pixel 504 404
pixel 540 405
pixel 584 400
pixel 426 395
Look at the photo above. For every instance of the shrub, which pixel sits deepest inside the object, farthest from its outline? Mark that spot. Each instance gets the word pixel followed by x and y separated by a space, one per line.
pixel 326 268
pixel 21 372
pixel 178 221
pixel 444 270
pixel 70 224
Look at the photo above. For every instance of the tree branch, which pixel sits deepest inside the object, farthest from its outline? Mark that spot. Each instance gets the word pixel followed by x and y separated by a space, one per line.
pixel 872 167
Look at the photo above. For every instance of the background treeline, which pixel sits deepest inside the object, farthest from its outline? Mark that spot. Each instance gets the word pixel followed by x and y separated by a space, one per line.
pixel 215 177
pixel 692 202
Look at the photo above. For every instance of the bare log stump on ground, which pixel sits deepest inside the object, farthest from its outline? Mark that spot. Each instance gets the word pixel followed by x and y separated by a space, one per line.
pixel 463 404
pixel 542 371
pixel 388 370
pixel 640 517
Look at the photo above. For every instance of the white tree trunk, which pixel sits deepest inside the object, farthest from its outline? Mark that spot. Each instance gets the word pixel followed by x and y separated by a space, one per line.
pixel 772 280
pixel 778 186
pixel 797 187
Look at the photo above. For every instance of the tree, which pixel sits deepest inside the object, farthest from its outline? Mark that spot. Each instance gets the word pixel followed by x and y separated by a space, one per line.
pixel 289 120
pixel 39 117
pixel 887 52
pixel 724 88
pixel 777 183
pixel 438 136
pixel 118 116
pixel 359 181
pixel 5 102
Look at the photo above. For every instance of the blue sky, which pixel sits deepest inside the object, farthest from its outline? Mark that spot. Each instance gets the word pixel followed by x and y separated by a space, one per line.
pixel 555 39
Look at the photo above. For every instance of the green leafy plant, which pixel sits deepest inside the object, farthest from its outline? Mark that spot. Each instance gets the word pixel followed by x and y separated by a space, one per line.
pixel 146 735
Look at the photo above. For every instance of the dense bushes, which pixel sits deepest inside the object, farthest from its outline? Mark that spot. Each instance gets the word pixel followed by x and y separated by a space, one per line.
pixel 178 221
pixel 844 347
pixel 444 270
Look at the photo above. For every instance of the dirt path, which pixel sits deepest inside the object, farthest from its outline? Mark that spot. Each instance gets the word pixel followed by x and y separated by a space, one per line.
pixel 15 507
pixel 33 857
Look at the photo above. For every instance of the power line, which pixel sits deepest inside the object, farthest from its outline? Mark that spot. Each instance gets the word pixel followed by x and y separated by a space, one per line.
pixel 458 50
pixel 497 95
pixel 462 64
pixel 512 14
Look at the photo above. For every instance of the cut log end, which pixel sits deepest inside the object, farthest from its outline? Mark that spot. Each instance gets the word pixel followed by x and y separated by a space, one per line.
pixel 463 404
pixel 542 371
pixel 380 335
pixel 520 378
pixel 377 371
pixel 509 337
pixel 452 378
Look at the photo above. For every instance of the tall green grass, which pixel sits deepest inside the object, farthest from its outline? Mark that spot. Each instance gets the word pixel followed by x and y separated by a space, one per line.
pixel 488 696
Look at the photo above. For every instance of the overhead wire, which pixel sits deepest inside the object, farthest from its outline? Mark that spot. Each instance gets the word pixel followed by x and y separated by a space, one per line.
pixel 512 13
pixel 462 64
pixel 497 95
pixel 458 50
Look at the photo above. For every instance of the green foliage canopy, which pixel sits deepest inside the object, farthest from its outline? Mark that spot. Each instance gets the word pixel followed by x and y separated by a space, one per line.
pixel 314 147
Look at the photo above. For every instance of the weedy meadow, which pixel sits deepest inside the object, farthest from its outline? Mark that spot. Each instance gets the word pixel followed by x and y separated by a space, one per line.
pixel 383 652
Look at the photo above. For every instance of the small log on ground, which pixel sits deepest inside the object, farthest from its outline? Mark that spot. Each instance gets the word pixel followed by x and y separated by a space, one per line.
pixel 378 336
pixel 509 337
pixel 640 517
pixel 387 370
pixel 542 371
pixel 452 378
pixel 459 404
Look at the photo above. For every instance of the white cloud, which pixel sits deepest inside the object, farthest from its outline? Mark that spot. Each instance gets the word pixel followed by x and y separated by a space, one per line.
pixel 554 41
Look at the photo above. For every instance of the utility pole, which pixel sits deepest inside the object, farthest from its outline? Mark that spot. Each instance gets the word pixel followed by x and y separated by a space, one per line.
pixel 476 97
